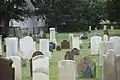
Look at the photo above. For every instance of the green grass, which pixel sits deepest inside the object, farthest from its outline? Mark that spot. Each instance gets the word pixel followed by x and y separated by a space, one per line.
pixel 59 55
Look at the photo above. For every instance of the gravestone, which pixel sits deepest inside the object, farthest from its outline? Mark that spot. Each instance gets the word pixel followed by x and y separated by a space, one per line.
pixel 44 47
pixel 33 55
pixel 0 44
pixel 6 70
pixel 17 66
pixel 65 44
pixel 105 38
pixel 95 41
pixel 90 28
pixel 52 36
pixel 11 46
pixel 105 27
pixel 66 70
pixel 40 67
pixel 96 29
pixel 112 28
pixel 104 47
pixel 69 56
pixel 75 51
pixel 109 67
pixel 27 46
pixel 116 44
pixel 86 68
pixel 71 36
pixel 51 47
pixel 76 43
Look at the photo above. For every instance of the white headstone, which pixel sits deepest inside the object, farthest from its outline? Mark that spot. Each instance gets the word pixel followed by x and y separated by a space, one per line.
pixel 105 38
pixel 90 28
pixel 104 47
pixel 17 65
pixel 95 41
pixel 66 70
pixel 112 28
pixel 0 44
pixel 44 47
pixel 109 66
pixel 40 67
pixel 95 28
pixel 52 36
pixel 27 46
pixel 116 44
pixel 71 36
pixel 11 46
pixel 105 27
pixel 76 43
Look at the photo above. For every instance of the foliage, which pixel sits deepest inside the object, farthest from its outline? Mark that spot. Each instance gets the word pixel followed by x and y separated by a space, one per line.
pixel 12 9
pixel 56 12
pixel 113 10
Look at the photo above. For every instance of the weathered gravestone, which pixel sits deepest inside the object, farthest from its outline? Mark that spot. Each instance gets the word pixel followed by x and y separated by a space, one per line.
pixel 116 44
pixel 33 55
pixel 104 47
pixel 66 70
pixel 105 38
pixel 86 68
pixel 95 41
pixel 11 46
pixel 65 44
pixel 27 46
pixel 44 47
pixel 76 43
pixel 69 56
pixel 75 51
pixel 52 36
pixel 0 44
pixel 17 66
pixel 6 70
pixel 109 66
pixel 40 68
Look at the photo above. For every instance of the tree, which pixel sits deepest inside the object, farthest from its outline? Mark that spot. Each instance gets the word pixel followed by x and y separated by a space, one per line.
pixel 113 10
pixel 56 12
pixel 12 9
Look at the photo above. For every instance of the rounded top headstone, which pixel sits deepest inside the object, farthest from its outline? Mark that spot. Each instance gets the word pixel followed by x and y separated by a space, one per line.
pixel 52 29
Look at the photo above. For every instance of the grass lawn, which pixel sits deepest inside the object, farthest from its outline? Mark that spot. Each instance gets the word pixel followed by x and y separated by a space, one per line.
pixel 59 55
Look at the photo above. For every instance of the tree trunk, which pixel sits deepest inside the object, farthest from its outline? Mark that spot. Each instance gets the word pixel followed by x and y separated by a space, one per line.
pixel 4 27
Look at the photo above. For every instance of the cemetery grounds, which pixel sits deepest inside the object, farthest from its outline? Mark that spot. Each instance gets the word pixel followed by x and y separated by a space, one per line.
pixel 59 55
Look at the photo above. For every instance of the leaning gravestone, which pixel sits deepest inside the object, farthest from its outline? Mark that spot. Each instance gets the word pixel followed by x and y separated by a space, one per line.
pixel 17 66
pixel 11 46
pixel 44 47
pixel 0 44
pixel 104 47
pixel 116 44
pixel 67 70
pixel 65 44
pixel 109 67
pixel 75 43
pixel 33 55
pixel 95 41
pixel 86 68
pixel 27 45
pixel 105 38
pixel 6 70
pixel 40 68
